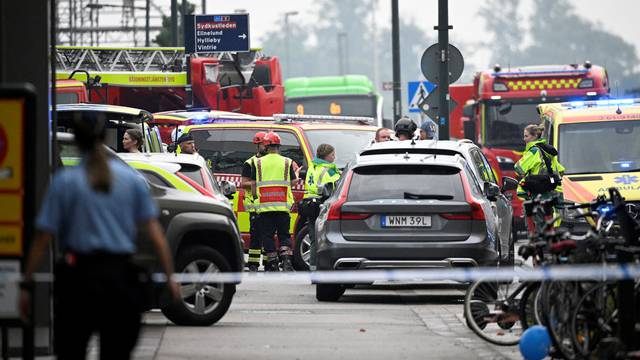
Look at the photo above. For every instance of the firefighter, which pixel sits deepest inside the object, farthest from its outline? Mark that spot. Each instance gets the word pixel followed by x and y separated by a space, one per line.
pixel 322 171
pixel 405 128
pixel 255 247
pixel 539 163
pixel 271 184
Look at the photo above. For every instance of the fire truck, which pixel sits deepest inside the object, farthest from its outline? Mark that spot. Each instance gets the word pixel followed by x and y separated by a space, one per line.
pixel 501 102
pixel 155 79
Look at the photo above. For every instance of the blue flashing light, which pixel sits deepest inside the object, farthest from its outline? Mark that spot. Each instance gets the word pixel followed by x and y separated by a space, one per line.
pixel 626 101
pixel 199 119
pixel 604 209
pixel 577 103
pixel 625 165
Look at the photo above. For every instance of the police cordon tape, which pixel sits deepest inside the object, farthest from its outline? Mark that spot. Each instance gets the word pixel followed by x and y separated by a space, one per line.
pixel 591 272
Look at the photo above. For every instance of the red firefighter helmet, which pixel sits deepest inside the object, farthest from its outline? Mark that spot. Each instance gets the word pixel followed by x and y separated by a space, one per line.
pixel 271 138
pixel 259 137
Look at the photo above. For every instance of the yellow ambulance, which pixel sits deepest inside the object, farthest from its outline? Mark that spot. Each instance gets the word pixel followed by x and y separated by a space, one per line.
pixel 598 143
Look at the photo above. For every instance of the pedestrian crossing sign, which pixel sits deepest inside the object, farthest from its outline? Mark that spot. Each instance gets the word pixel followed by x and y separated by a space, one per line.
pixel 418 91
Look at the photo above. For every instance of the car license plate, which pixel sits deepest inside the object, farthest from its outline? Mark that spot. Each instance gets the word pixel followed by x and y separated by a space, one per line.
pixel 406 221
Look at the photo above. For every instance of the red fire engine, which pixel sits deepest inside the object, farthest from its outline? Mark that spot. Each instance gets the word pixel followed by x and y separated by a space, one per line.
pixel 501 102
pixel 155 79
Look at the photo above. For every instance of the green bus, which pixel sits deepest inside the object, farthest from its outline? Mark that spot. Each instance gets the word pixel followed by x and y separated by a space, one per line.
pixel 348 95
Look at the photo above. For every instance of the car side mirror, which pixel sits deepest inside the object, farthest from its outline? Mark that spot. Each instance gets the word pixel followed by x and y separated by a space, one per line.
pixel 509 184
pixel 325 190
pixel 469 128
pixel 467 111
pixel 504 108
pixel 228 188
pixel 491 191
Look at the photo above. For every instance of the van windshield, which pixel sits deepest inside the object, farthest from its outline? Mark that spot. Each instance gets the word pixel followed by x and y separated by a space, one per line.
pixel 599 147
pixel 348 143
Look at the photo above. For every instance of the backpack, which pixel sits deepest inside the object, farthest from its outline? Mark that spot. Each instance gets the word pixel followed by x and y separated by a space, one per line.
pixel 542 183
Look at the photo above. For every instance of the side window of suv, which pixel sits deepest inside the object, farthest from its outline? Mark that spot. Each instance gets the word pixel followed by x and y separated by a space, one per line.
pixel 482 165
pixel 228 149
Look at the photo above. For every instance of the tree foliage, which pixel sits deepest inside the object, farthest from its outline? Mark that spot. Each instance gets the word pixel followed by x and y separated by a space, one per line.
pixel 164 36
pixel 559 36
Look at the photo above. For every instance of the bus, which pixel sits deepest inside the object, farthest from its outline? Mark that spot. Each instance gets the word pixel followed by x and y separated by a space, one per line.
pixel 348 95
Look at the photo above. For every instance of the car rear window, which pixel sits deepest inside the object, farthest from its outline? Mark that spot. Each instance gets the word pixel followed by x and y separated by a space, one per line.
pixel 393 181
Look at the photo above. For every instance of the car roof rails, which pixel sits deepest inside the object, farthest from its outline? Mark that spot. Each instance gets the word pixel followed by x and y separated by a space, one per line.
pixel 327 118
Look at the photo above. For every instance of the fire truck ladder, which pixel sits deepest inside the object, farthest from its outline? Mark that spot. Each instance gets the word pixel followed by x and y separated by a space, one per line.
pixel 165 59
pixel 70 58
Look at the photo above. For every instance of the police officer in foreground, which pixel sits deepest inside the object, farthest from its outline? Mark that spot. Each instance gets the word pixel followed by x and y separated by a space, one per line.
pixel 322 171
pixel 405 128
pixel 271 184
pixel 255 247
pixel 94 211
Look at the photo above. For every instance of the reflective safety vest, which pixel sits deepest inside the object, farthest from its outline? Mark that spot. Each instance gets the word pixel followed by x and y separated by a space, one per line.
pixel 249 201
pixel 532 163
pixel 319 174
pixel 273 184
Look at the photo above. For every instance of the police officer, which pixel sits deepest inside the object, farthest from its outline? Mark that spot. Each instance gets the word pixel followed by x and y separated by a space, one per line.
pixel 405 128
pixel 538 158
pixel 428 130
pixel 322 171
pixel 272 180
pixel 187 144
pixel 255 247
pixel 93 210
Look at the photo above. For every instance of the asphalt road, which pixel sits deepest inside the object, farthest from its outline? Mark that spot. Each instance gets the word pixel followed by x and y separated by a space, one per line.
pixel 284 321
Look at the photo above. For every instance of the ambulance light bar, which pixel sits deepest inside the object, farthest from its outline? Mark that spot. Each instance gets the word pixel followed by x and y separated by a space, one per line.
pixel 603 102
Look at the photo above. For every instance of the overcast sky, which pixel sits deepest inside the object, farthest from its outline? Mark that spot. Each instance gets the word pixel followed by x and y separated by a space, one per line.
pixel 617 16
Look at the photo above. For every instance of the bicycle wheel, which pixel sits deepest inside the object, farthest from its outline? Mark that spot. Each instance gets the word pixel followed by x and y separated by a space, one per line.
pixel 528 316
pixel 595 317
pixel 491 310
pixel 558 299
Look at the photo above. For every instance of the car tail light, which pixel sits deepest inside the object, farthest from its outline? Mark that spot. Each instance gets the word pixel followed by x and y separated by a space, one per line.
pixel 476 209
pixel 456 216
pixel 335 210
pixel 196 186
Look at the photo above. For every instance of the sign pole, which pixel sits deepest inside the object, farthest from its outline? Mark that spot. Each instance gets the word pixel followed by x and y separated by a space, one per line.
pixel 443 84
pixel 395 39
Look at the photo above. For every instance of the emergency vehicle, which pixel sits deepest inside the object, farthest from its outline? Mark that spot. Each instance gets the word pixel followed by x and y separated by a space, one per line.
pixel 598 144
pixel 71 91
pixel 504 101
pixel 156 79
pixel 227 145
pixel 168 121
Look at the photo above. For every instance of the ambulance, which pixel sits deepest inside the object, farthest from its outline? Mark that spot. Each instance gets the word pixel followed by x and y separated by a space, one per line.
pixel 598 143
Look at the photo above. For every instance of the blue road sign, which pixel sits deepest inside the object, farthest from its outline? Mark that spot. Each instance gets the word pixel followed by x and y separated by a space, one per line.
pixel 216 33
pixel 417 91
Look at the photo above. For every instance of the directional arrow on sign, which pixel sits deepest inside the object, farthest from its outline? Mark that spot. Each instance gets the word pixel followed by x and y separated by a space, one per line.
pixel 243 36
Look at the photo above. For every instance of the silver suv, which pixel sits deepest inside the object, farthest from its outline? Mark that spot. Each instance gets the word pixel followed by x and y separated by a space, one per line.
pixel 410 209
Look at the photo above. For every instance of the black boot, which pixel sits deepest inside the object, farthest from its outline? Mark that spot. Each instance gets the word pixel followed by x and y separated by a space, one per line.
pixel 287 265
pixel 253 267
pixel 272 265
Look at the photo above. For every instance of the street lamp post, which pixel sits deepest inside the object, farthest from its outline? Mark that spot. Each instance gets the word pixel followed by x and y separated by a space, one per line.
pixel 342 59
pixel 286 40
